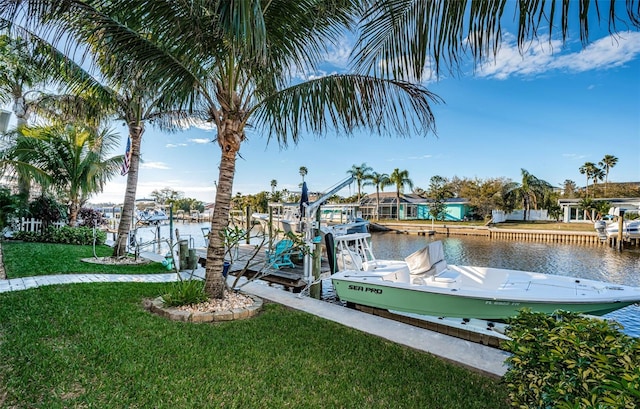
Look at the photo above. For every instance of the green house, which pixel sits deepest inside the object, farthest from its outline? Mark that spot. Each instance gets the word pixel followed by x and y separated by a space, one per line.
pixel 412 207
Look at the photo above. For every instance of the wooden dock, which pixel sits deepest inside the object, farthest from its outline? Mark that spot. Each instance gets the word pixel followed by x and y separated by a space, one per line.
pixel 255 263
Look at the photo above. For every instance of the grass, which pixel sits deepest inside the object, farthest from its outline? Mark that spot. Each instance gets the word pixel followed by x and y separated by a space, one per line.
pixel 93 345
pixel 34 259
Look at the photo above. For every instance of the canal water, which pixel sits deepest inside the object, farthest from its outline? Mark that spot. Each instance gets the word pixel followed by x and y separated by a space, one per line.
pixel 597 262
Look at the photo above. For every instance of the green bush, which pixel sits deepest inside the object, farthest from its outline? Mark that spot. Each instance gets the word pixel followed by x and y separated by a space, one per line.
pixel 185 292
pixel 63 235
pixel 571 361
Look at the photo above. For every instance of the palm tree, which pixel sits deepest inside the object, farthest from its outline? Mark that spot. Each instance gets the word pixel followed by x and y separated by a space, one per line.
pixel 303 172
pixel 379 180
pixel 72 159
pixel 22 81
pixel 529 192
pixel 588 169
pixel 400 178
pixel 607 163
pixel 360 173
pixel 274 184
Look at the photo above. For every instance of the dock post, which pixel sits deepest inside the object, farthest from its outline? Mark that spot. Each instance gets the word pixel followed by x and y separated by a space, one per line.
pixel 248 225
pixel 316 289
pixel 620 232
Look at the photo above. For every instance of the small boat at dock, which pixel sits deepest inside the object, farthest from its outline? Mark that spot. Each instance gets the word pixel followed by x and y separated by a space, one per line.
pixel 423 283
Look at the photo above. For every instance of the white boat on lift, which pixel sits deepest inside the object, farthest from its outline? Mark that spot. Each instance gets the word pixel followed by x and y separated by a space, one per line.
pixel 630 228
pixel 151 216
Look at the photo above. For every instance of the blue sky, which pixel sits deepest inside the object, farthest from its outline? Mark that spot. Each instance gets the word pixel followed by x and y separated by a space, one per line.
pixel 547 112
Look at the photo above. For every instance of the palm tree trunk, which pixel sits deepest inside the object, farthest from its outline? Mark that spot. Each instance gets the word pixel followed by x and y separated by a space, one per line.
pixel 214 280
pixel 126 217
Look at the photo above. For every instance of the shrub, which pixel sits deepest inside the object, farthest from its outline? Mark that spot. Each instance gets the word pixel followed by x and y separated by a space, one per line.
pixel 185 292
pixel 64 235
pixel 47 209
pixel 9 206
pixel 571 361
pixel 90 217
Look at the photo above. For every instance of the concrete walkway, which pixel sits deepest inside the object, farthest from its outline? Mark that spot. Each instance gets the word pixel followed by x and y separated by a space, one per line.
pixel 472 355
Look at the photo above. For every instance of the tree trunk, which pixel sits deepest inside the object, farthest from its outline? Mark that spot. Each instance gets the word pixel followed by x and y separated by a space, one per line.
pixel 126 217
pixel 74 208
pixel 214 280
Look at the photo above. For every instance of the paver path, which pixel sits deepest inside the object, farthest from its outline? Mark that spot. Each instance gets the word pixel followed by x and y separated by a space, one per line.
pixel 24 283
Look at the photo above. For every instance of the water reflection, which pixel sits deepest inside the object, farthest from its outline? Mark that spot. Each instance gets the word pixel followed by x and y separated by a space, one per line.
pixel 575 260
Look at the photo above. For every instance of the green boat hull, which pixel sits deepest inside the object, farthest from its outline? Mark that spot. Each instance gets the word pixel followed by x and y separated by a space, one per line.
pixel 450 305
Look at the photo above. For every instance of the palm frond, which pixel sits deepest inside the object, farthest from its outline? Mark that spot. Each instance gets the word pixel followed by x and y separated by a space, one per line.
pixel 416 37
pixel 345 103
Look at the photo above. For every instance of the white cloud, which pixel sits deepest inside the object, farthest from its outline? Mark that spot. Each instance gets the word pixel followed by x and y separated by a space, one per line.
pixel 338 54
pixel 574 156
pixel 154 165
pixel 538 58
pixel 200 140
pixel 174 145
pixel 420 157
pixel 187 123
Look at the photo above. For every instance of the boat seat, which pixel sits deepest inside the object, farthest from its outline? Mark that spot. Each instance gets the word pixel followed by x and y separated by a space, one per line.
pixel 427 261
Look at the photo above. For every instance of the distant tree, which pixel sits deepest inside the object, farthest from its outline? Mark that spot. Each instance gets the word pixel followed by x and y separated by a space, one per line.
pixel 400 178
pixel 569 188
pixel 606 164
pixel 274 184
pixel 529 192
pixel 418 191
pixel 166 195
pixel 588 169
pixel 303 172
pixel 360 174
pixel 438 192
pixel 379 180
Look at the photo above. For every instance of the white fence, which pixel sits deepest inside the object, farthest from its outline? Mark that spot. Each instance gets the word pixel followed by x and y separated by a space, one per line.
pixel 34 225
pixel 499 216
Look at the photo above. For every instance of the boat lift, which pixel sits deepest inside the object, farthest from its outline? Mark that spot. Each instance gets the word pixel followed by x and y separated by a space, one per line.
pixel 312 237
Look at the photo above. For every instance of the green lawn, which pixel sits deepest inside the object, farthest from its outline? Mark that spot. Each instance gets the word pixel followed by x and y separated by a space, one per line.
pixel 34 259
pixel 94 346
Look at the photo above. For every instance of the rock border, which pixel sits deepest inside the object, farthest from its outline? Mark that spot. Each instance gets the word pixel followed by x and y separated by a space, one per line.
pixel 156 306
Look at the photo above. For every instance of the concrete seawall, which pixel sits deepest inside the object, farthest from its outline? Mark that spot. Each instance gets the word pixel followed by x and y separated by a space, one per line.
pixel 568 236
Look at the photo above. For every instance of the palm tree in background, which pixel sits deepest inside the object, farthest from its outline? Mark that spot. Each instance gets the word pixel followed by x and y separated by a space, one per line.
pixel 606 164
pixel 379 180
pixel 530 191
pixel 69 158
pixel 274 184
pixel 588 169
pixel 400 178
pixel 303 172
pixel 360 174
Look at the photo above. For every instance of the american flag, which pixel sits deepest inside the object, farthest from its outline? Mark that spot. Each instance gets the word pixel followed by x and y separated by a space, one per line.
pixel 127 158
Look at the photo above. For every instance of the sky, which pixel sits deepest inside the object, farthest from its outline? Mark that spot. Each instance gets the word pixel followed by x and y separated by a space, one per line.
pixel 548 111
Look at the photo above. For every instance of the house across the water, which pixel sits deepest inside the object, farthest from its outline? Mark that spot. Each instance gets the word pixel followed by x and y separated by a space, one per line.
pixel 572 212
pixel 412 207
